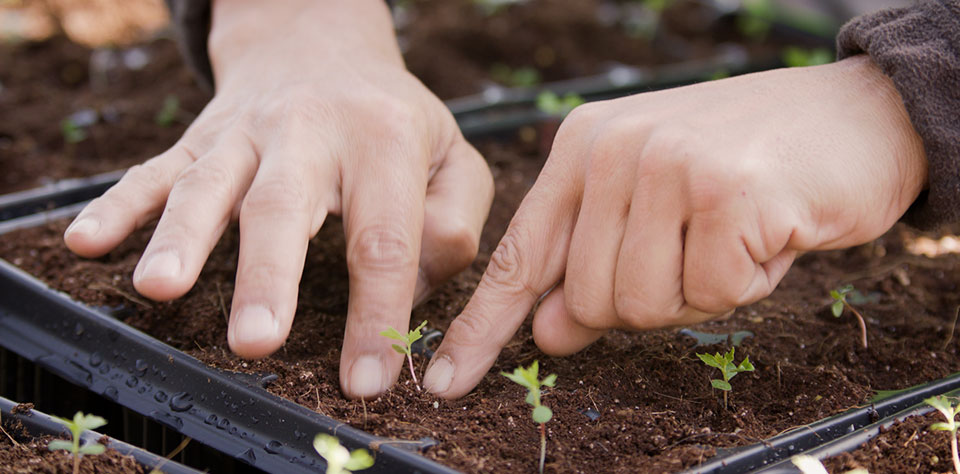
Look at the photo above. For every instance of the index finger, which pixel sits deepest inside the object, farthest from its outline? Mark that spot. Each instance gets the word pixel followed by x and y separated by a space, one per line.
pixel 530 259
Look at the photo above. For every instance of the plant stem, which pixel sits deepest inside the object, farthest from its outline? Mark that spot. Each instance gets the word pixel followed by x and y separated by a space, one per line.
pixel 543 445
pixel 863 325
pixel 724 399
pixel 76 463
pixel 412 373
pixel 953 450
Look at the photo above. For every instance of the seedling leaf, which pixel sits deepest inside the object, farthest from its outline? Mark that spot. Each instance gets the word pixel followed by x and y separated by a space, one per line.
pixel 360 459
pixel 59 444
pixel 710 360
pixel 393 334
pixel 721 385
pixel 941 426
pixel 339 460
pixel 398 348
pixel 837 308
pixel 745 366
pixel 542 414
pixel 550 380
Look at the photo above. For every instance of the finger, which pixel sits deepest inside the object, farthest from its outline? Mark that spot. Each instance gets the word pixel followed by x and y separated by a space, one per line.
pixel 457 203
pixel 529 260
pixel 278 215
pixel 383 221
pixel 196 213
pixel 135 200
pixel 649 293
pixel 555 331
pixel 727 264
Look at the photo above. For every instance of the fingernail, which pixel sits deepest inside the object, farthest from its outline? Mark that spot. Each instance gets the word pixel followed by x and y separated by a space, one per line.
pixel 163 265
pixel 439 375
pixel 366 377
pixel 87 226
pixel 255 324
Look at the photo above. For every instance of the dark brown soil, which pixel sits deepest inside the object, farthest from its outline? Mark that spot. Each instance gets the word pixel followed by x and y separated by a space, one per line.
pixel 44 83
pixel 908 446
pixel 31 456
pixel 657 410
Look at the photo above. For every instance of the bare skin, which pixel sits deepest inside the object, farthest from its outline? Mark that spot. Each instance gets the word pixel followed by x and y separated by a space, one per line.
pixel 676 207
pixel 293 135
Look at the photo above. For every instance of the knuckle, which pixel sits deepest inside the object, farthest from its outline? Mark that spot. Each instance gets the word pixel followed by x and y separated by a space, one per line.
pixel 149 179
pixel 383 246
pixel 505 269
pixel 584 305
pixel 275 197
pixel 637 313
pixel 470 329
pixel 216 180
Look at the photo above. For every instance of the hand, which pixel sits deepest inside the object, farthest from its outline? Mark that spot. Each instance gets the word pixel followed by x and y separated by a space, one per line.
pixel 674 207
pixel 314 114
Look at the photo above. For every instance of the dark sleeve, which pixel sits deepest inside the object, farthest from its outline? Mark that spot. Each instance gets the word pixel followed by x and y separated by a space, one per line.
pixel 191 25
pixel 919 48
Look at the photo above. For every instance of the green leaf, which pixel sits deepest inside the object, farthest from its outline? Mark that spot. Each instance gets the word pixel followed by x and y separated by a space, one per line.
pixel 710 360
pixel 59 444
pixel 415 335
pixel 940 426
pixel 360 459
pixel 90 422
pixel 837 308
pixel 721 385
pixel 745 366
pixel 542 414
pixel 393 334
pixel 533 397
pixel 398 348
pixel 93 449
pixel 835 294
pixel 517 377
pixel 550 380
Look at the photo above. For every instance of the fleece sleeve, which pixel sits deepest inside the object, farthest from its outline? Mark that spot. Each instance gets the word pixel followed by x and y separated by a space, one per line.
pixel 919 48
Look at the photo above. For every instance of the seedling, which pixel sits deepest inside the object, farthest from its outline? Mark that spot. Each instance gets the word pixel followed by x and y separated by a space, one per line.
pixel 520 77
pixel 72 132
pixel 77 426
pixel 413 336
pixel 529 378
pixel 492 7
pixel 727 369
pixel 840 301
pixel 943 405
pixel 800 57
pixel 339 460
pixel 555 106
pixel 811 465
pixel 756 18
pixel 169 111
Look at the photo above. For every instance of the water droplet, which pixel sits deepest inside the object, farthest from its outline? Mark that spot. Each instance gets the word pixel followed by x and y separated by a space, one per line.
pixel 104 369
pixel 210 419
pixel 250 456
pixel 132 381
pixel 78 330
pixel 223 423
pixel 273 447
pixel 96 359
pixel 140 367
pixel 299 434
pixel 111 393
pixel 182 401
pixel 161 396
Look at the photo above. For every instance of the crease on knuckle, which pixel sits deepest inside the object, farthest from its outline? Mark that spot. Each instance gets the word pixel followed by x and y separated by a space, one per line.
pixel 583 305
pixel 635 312
pixel 279 198
pixel 149 179
pixel 382 246
pixel 216 181
pixel 505 270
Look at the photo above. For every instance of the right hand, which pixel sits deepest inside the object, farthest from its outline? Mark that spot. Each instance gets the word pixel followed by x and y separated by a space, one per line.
pixel 314 114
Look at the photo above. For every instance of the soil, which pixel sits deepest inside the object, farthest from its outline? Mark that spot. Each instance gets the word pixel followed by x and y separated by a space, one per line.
pixel 657 410
pixel 908 446
pixel 52 81
pixel 31 456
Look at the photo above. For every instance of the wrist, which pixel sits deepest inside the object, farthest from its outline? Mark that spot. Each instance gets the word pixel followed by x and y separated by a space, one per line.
pixel 297 32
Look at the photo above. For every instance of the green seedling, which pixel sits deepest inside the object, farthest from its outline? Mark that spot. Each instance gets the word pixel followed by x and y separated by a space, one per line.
pixel 492 7
pixel 727 369
pixel 529 378
pixel 413 336
pixel 77 426
pixel 943 405
pixel 756 18
pixel 339 460
pixel 555 106
pixel 520 77
pixel 169 111
pixel 800 57
pixel 811 465
pixel 840 301
pixel 72 133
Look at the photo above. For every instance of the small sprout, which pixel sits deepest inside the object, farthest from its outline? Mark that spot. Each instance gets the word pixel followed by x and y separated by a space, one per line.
pixel 520 77
pixel 77 426
pixel 493 7
pixel 555 106
pixel 943 405
pixel 840 301
pixel 413 336
pixel 529 378
pixel 72 132
pixel 811 465
pixel 800 57
pixel 756 18
pixel 169 111
pixel 339 460
pixel 727 369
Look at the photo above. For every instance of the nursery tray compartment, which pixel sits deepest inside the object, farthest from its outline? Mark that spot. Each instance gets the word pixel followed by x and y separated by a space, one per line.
pixel 39 424
pixel 830 436
pixel 229 412
pixel 55 195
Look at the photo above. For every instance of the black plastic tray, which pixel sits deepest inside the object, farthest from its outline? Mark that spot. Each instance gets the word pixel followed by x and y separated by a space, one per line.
pixel 51 196
pixel 227 411
pixel 762 457
pixel 39 424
